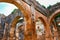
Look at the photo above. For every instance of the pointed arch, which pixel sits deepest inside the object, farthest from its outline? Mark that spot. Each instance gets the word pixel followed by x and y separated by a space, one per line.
pixel 54 15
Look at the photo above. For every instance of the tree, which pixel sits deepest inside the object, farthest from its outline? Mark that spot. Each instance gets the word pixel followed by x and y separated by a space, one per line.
pixel 49 7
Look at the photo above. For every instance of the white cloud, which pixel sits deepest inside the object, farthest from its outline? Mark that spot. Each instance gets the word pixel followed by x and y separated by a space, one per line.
pixel 10 7
pixel 47 2
pixel 7 9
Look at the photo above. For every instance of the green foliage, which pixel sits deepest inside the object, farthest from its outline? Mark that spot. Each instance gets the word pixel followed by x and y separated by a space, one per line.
pixel 43 6
pixel 49 7
pixel 13 11
pixel 58 16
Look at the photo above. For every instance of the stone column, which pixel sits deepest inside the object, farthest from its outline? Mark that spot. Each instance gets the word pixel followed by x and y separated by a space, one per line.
pixel 29 31
pixel 12 32
pixel 48 34
pixel 55 32
pixel 17 33
pixel 5 34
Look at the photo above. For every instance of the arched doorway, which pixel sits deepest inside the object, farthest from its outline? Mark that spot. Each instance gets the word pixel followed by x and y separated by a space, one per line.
pixel 16 26
pixel 6 10
pixel 54 24
pixel 19 4
pixel 40 29
pixel 57 20
pixel 19 30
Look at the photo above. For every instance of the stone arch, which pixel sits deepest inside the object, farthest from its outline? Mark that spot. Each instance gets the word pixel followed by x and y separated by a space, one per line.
pixel 54 15
pixel 41 17
pixel 13 25
pixel 47 29
pixel 54 25
pixel 46 24
pixel 14 22
pixel 19 5
pixel 24 12
pixel 43 20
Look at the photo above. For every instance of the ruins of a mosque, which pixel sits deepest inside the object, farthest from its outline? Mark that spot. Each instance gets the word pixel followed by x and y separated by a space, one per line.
pixel 31 21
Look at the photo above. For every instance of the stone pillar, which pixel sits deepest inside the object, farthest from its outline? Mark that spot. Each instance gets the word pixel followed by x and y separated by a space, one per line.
pixel 29 31
pixel 48 34
pixel 34 31
pixel 55 33
pixel 17 34
pixel 21 32
pixel 12 32
pixel 0 32
pixel 5 34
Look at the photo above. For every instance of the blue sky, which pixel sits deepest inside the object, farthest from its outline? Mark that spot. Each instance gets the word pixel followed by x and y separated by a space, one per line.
pixel 6 8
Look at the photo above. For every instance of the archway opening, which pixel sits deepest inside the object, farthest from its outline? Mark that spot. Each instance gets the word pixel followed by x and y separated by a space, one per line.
pixel 57 20
pixel 40 29
pixel 6 13
pixel 9 17
pixel 19 31
pixel 55 27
